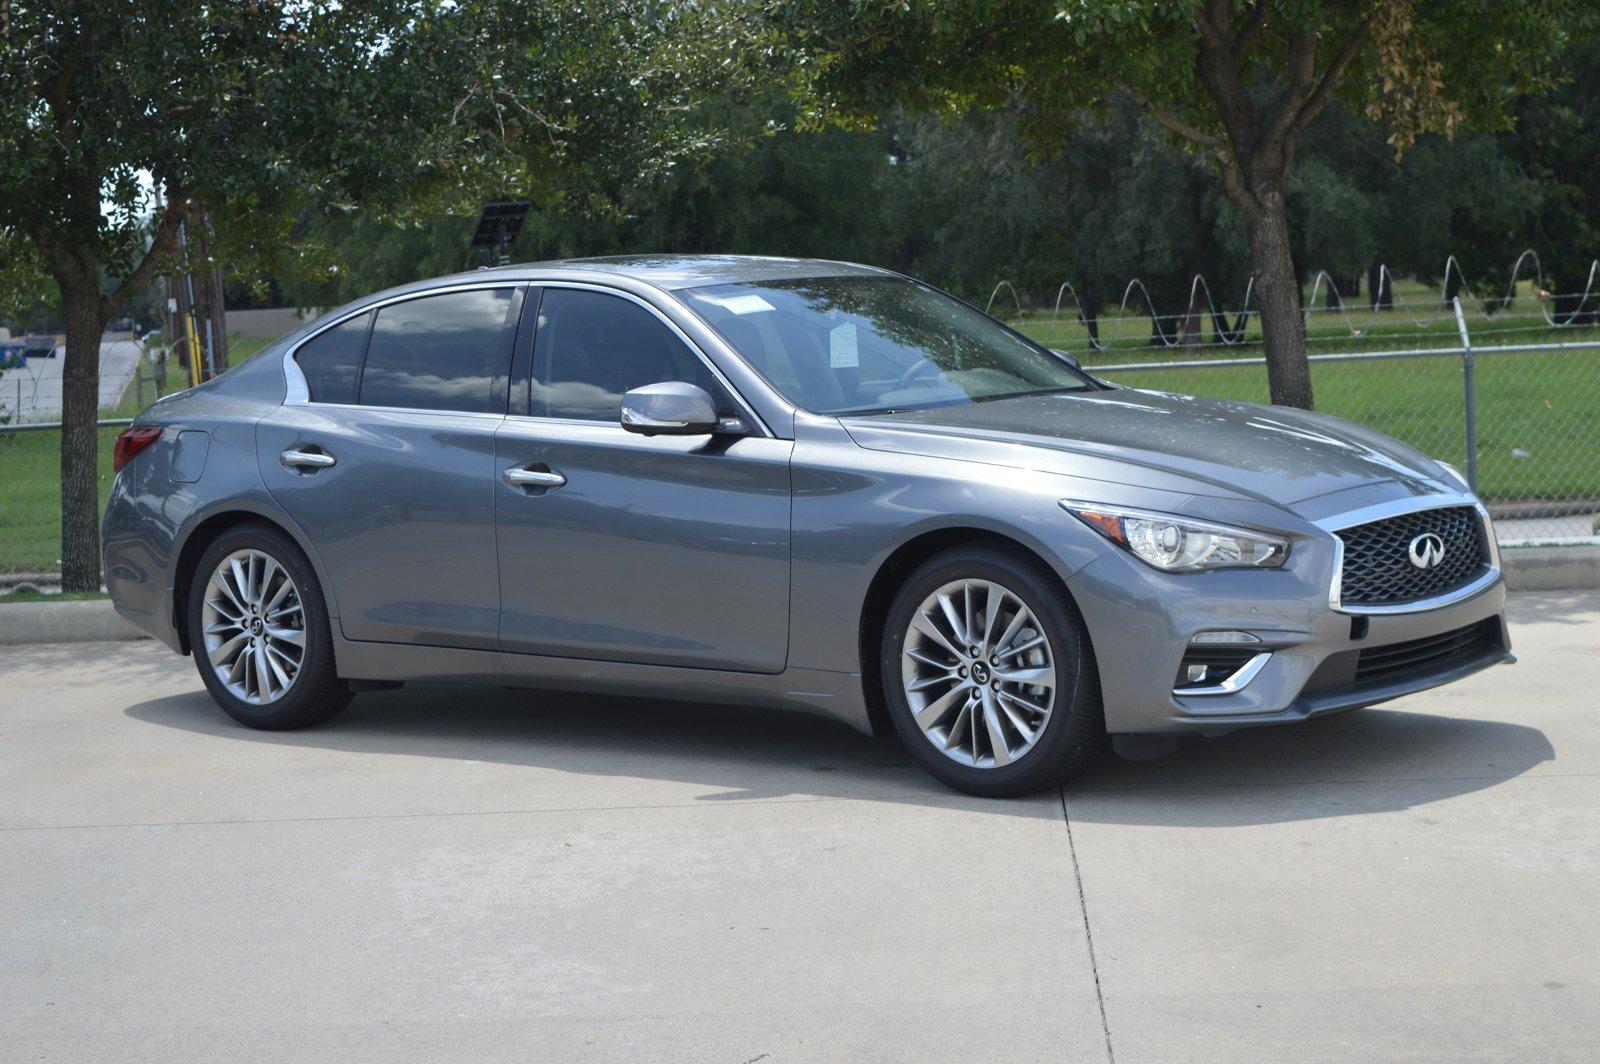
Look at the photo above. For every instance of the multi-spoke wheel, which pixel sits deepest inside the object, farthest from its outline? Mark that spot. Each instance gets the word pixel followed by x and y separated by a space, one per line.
pixel 259 631
pixel 978 673
pixel 254 626
pixel 989 675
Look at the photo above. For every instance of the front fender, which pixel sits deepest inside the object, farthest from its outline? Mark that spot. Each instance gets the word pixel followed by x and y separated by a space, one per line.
pixel 854 509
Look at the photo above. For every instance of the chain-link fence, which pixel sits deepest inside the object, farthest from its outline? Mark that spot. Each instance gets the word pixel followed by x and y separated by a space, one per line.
pixel 1512 398
pixel 30 445
pixel 30 378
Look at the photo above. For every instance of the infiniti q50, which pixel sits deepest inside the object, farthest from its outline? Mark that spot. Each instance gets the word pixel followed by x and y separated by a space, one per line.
pixel 792 483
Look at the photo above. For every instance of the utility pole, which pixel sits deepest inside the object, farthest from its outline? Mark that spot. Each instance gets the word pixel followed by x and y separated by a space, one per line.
pixel 197 314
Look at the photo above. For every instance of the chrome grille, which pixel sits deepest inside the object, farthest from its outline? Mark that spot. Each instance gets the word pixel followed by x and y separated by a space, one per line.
pixel 1378 570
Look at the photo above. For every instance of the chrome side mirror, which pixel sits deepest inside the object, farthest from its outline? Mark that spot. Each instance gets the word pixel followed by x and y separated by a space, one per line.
pixel 671 408
pixel 1067 357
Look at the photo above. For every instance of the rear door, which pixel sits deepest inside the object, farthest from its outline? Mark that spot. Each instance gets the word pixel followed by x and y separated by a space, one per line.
pixel 389 465
pixel 654 550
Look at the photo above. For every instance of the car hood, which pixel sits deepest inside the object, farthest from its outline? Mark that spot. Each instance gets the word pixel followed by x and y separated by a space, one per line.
pixel 1207 446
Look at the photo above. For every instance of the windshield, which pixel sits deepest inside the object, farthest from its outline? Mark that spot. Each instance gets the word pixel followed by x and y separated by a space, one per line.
pixel 853 345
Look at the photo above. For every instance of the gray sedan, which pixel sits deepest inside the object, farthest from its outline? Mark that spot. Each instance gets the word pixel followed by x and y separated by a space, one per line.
pixel 792 483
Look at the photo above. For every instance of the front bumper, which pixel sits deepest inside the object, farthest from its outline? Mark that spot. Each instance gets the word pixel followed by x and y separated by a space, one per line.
pixel 1141 622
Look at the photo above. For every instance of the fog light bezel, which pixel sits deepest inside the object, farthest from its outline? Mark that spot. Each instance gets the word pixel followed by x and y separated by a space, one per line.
pixel 1241 666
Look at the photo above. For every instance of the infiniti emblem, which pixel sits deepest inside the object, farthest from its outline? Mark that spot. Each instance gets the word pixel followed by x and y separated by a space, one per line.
pixel 1427 550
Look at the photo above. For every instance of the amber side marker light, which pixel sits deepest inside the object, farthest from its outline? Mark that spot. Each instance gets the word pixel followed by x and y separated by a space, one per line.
pixel 130 441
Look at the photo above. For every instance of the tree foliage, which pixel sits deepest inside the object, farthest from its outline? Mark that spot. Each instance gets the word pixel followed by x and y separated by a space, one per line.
pixel 1236 81
pixel 120 120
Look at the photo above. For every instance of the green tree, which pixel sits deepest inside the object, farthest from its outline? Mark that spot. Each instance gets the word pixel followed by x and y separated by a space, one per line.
pixel 760 188
pixel 1353 205
pixel 258 112
pixel 1238 81
pixel 1113 201
pixel 1556 142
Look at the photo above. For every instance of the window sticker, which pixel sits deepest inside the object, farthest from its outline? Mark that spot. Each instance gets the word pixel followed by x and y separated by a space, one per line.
pixel 842 350
pixel 741 304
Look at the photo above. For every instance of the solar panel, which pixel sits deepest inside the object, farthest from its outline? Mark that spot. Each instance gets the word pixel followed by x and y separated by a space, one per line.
pixel 500 223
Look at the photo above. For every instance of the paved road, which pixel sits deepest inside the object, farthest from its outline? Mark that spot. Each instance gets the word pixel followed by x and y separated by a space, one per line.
pixel 483 875
pixel 36 390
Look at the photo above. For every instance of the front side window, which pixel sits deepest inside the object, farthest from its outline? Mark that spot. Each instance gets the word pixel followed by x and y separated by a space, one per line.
pixel 438 352
pixel 861 344
pixel 591 347
pixel 331 360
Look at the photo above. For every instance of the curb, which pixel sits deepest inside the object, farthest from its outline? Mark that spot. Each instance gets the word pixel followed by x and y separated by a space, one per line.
pixel 1551 568
pixel 88 621
pixel 78 621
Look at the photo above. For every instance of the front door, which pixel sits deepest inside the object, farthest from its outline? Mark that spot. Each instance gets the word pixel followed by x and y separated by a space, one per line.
pixel 390 467
pixel 654 550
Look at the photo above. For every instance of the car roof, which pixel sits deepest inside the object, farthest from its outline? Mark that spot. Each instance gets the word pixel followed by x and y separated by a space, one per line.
pixel 663 272
pixel 678 271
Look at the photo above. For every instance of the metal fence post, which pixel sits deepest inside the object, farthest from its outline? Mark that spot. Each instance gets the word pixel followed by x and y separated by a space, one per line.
pixel 1470 393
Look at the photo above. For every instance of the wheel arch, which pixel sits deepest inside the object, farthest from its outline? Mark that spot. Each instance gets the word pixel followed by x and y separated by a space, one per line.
pixel 892 573
pixel 205 529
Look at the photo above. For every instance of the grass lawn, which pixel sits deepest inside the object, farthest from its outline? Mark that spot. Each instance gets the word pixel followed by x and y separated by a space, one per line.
pixel 1544 407
pixel 30 475
pixel 30 498
pixel 1538 413
pixel 7 597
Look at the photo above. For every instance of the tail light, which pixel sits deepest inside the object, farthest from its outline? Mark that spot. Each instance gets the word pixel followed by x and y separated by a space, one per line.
pixel 130 441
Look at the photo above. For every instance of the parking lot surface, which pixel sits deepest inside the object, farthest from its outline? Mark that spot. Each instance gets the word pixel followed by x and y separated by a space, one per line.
pixel 475 874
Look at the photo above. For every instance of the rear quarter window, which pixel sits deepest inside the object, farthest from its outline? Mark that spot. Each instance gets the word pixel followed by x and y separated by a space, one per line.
pixel 331 361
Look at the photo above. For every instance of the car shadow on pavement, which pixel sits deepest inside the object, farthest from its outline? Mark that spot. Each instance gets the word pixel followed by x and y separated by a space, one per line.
pixel 1367 761
pixel 745 753
pixel 1345 764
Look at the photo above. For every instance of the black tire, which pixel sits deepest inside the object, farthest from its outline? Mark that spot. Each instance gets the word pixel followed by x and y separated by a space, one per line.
pixel 316 693
pixel 1073 733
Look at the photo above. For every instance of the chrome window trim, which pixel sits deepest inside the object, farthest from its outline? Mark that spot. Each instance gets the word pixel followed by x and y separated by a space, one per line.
pixel 1233 684
pixel 483 415
pixel 1396 508
pixel 298 393
pixel 750 414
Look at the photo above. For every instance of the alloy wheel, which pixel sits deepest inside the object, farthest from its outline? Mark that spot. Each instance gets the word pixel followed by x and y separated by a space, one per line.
pixel 254 626
pixel 978 673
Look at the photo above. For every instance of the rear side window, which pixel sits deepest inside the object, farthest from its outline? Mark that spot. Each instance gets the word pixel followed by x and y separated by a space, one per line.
pixel 438 352
pixel 331 362
pixel 591 347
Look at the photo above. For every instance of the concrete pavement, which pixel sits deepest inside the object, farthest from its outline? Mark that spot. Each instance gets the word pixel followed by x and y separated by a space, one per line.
pixel 475 874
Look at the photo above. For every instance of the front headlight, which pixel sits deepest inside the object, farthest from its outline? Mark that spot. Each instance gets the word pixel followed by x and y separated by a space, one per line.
pixel 1176 544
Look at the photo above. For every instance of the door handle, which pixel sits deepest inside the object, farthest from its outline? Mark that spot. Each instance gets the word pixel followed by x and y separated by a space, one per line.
pixel 297 459
pixel 523 477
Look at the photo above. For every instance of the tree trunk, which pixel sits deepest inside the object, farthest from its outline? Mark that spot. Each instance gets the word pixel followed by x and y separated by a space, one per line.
pixel 1378 288
pixel 80 436
pixel 1191 334
pixel 1278 297
pixel 1568 309
pixel 1158 333
pixel 1452 287
pixel 1091 323
pixel 1194 193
